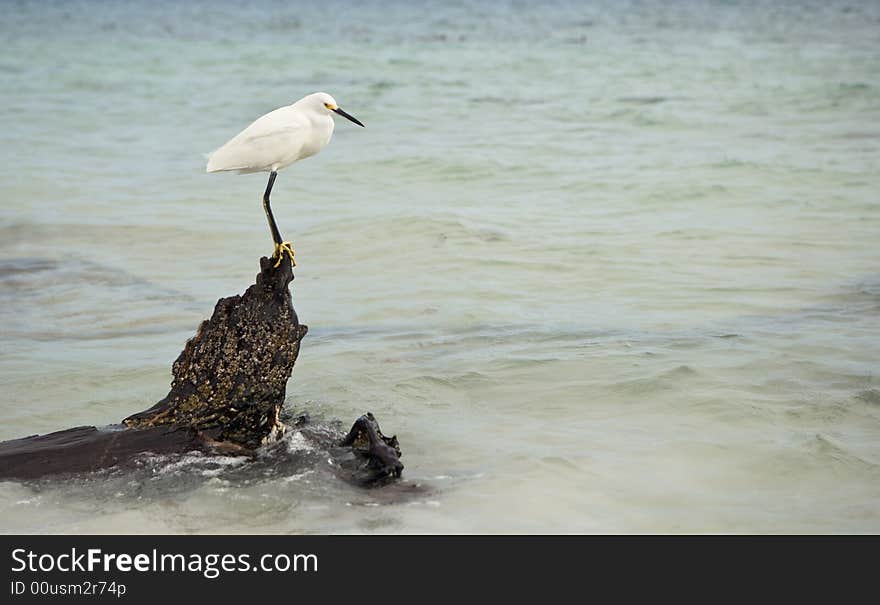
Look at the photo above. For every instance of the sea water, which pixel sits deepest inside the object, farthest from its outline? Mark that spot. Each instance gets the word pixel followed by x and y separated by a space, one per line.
pixel 602 267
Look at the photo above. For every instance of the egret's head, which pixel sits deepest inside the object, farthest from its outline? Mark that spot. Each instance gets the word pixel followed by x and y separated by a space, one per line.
pixel 328 103
pixel 322 99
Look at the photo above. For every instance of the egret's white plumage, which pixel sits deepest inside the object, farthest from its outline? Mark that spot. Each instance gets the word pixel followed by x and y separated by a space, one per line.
pixel 279 138
pixel 276 140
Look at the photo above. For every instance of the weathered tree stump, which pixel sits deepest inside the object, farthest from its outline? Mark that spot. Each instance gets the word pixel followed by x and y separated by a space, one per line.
pixel 230 380
pixel 228 387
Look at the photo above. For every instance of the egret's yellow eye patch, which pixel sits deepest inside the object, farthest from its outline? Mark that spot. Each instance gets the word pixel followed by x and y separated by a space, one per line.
pixel 331 106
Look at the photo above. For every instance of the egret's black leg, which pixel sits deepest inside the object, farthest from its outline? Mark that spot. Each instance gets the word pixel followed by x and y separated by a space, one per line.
pixel 280 246
pixel 276 235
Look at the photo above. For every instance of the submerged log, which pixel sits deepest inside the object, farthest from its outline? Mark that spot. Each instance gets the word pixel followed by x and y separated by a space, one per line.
pixel 228 387
pixel 369 444
pixel 86 449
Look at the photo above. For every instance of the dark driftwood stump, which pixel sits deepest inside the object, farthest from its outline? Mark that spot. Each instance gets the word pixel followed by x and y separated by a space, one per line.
pixel 228 387
pixel 230 380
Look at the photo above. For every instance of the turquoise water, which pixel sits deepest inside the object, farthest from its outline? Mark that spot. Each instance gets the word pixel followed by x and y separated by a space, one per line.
pixel 602 267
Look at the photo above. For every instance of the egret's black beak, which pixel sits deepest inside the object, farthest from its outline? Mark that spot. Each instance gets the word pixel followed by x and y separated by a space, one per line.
pixel 350 117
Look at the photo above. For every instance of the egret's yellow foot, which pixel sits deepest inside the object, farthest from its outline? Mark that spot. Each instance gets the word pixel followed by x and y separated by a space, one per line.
pixel 282 249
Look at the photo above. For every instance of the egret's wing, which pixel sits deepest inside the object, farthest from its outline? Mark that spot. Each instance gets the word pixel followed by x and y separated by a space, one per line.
pixel 269 141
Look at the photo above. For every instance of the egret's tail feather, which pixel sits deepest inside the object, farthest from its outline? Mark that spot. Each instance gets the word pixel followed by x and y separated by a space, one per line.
pixel 215 163
pixel 225 159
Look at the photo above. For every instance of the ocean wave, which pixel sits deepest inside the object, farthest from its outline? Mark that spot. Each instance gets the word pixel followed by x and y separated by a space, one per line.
pixel 51 299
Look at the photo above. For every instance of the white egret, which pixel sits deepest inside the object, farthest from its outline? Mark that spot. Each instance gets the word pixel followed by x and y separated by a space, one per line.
pixel 277 140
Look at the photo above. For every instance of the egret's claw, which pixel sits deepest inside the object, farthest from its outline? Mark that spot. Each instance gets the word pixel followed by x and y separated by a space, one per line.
pixel 282 249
